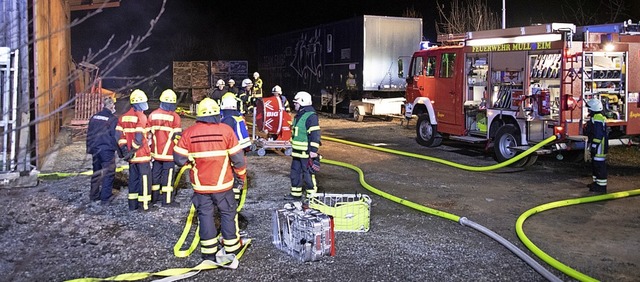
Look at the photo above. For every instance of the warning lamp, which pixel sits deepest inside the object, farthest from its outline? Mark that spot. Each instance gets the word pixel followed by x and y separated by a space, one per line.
pixel 424 45
pixel 608 47
pixel 558 131
pixel 568 102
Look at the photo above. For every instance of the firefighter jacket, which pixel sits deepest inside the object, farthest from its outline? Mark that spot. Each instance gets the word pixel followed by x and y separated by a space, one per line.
pixel 132 132
pixel 101 132
pixel 236 121
pixel 213 151
pixel 165 127
pixel 596 130
pixel 305 135
pixel 257 88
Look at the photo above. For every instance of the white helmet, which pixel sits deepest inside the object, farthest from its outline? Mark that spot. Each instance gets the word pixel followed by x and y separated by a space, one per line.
pixel 256 75
pixel 277 89
pixel 594 105
pixel 246 82
pixel 231 81
pixel 229 102
pixel 220 82
pixel 302 98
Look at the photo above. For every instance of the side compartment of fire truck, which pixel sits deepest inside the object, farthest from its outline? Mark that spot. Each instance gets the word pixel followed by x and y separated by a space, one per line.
pixel 523 85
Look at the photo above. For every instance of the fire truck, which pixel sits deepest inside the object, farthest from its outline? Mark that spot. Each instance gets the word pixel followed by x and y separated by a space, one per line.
pixel 510 89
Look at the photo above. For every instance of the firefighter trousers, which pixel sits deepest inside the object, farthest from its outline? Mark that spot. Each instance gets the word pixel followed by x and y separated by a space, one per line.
pixel 205 206
pixel 163 178
pixel 599 174
pixel 139 185
pixel 301 175
pixel 104 171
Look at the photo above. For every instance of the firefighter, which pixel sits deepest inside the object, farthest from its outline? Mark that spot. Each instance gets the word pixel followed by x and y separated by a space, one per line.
pixel 212 150
pixel 132 138
pixel 245 95
pixel 218 91
pixel 305 143
pixel 102 145
pixel 232 86
pixel 232 117
pixel 257 86
pixel 277 91
pixel 596 130
pixel 165 131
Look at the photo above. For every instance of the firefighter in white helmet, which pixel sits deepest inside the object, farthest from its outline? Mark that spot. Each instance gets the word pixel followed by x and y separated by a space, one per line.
pixel 212 149
pixel 257 86
pixel 232 117
pixel 277 91
pixel 305 143
pixel 132 130
pixel 165 126
pixel 596 130
pixel 218 91
pixel 245 95
pixel 232 86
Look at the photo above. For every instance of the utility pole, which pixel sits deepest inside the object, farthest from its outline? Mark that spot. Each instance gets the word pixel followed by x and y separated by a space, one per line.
pixel 504 15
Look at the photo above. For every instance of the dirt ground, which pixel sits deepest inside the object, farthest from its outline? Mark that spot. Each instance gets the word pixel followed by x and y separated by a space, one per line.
pixel 52 232
pixel 600 239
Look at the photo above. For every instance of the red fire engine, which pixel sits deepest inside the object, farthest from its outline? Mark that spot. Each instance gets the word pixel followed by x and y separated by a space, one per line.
pixel 512 88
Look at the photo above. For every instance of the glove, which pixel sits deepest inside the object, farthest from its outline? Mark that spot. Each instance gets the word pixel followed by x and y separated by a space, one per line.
pixel 237 188
pixel 314 165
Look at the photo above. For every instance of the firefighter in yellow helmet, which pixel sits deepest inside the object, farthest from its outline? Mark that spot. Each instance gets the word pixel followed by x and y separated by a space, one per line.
pixel 132 138
pixel 166 128
pixel 212 150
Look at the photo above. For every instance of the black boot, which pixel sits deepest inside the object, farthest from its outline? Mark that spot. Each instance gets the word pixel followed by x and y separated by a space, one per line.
pixel 133 205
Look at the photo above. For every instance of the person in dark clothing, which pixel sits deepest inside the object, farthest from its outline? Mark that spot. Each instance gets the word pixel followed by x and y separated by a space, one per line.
pixel 102 144
pixel 232 87
pixel 218 91
pixel 596 131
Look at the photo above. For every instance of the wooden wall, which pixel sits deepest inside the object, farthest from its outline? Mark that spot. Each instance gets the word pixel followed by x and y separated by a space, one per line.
pixel 52 55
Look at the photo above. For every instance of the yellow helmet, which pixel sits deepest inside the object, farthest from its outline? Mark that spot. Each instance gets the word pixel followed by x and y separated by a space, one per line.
pixel 137 96
pixel 168 96
pixel 208 107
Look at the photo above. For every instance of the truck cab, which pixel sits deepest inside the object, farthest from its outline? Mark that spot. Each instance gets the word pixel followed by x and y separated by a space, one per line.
pixel 511 89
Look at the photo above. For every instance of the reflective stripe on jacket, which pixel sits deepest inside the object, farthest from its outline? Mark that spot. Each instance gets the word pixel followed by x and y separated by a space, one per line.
pixel 133 130
pixel 164 126
pixel 213 150
pixel 305 135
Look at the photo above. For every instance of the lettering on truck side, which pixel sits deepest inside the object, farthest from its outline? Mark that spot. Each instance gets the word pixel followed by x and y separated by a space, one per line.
pixel 512 47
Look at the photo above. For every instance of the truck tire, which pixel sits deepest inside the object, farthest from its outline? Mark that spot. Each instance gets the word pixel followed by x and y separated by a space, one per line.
pixel 506 137
pixel 426 133
pixel 357 116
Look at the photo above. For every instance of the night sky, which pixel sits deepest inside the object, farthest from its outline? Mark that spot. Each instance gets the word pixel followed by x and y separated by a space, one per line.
pixel 227 30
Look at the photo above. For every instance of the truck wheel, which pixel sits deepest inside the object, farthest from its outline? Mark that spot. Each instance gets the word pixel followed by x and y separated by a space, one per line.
pixel 426 133
pixel 531 159
pixel 505 139
pixel 357 116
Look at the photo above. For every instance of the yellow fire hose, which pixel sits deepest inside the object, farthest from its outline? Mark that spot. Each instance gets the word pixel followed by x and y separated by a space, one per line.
pixel 519 230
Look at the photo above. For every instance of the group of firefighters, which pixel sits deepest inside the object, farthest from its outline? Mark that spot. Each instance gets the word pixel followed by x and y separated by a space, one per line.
pixel 214 149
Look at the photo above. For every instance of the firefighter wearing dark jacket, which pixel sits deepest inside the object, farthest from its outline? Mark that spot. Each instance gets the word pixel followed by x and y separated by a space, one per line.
pixel 305 142
pixel 165 131
pixel 233 118
pixel 132 139
pixel 102 145
pixel 596 130
pixel 212 150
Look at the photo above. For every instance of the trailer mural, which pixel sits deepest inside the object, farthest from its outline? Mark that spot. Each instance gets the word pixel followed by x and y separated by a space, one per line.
pixel 307 58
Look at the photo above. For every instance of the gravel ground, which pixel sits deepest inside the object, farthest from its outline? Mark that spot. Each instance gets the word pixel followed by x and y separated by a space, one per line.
pixel 52 232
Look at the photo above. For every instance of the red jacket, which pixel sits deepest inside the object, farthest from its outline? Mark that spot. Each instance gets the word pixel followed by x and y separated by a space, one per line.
pixel 164 125
pixel 214 153
pixel 132 128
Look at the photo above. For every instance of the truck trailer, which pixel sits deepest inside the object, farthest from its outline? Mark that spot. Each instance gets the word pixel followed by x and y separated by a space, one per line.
pixel 513 88
pixel 342 61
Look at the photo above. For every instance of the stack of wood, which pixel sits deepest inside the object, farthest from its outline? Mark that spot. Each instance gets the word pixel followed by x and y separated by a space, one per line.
pixel 192 76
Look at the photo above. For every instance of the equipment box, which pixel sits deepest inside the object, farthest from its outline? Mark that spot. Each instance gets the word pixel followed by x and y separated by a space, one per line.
pixel 350 212
pixel 306 235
